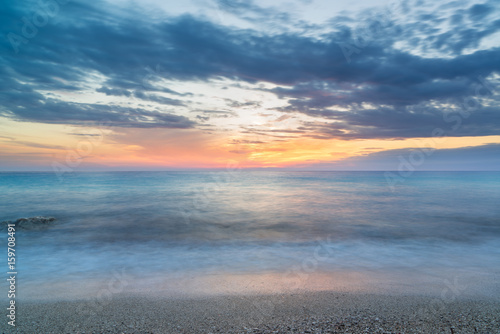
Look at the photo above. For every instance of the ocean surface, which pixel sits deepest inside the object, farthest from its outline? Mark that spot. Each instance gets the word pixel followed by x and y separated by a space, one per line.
pixel 227 232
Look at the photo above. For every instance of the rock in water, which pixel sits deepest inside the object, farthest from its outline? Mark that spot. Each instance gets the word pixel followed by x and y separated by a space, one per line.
pixel 33 223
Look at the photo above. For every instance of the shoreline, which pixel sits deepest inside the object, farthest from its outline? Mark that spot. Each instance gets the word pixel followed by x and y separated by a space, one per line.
pixel 305 312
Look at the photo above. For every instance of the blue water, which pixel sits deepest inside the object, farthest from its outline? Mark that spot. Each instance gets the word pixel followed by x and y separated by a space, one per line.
pixel 199 224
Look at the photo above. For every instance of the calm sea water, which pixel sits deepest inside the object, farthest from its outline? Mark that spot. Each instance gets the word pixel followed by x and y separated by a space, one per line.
pixel 171 231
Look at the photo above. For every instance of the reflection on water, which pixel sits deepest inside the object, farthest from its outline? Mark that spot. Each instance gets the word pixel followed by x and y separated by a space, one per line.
pixel 191 226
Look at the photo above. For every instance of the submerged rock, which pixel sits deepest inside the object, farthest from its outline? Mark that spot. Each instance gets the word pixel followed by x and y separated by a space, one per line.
pixel 33 223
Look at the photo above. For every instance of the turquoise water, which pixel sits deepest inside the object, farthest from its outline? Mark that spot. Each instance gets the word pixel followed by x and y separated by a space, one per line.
pixel 155 225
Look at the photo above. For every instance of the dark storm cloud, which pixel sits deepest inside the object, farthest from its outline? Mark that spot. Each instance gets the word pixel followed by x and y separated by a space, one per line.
pixel 313 75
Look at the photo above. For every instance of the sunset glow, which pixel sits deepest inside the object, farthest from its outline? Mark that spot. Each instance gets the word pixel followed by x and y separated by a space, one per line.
pixel 210 86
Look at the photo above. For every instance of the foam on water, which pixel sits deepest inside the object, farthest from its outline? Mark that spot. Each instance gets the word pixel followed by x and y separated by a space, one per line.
pixel 170 229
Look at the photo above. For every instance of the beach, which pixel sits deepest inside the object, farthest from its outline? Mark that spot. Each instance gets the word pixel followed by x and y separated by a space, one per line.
pixel 260 252
pixel 251 166
pixel 306 312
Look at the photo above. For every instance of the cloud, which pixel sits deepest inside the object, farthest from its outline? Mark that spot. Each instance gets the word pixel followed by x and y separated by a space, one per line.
pixel 216 113
pixel 86 134
pixel 407 93
pixel 36 108
pixel 38 145
pixel 245 141
pixel 416 121
pixel 158 99
pixel 246 104
pixel 477 158
pixel 479 11
pixel 114 91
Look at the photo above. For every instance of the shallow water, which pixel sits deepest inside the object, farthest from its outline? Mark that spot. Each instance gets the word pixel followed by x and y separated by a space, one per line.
pixel 188 232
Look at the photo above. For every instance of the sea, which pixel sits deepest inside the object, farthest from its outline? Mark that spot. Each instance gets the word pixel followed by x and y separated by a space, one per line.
pixel 200 233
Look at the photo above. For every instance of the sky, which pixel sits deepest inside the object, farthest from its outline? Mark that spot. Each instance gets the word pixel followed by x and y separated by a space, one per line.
pixel 294 84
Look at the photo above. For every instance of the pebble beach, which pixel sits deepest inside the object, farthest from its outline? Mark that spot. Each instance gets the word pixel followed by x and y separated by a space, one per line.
pixel 315 312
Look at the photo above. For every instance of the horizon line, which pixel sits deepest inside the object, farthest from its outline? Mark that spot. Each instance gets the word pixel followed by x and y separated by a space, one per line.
pixel 243 169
